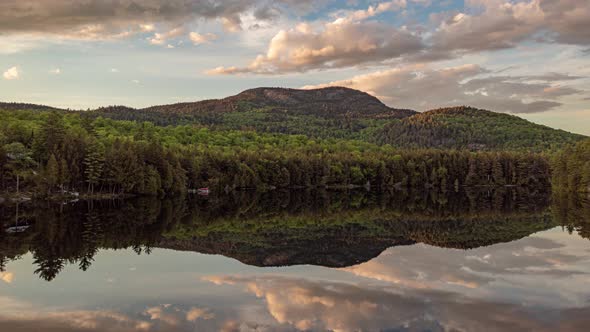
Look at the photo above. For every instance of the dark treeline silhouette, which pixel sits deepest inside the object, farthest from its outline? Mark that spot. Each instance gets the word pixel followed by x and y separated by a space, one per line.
pixel 268 229
pixel 50 152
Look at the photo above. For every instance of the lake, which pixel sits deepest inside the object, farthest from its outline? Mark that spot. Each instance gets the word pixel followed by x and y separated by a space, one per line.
pixel 482 260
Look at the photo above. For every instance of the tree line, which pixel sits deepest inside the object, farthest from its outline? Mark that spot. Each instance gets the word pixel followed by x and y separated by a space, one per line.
pixel 571 168
pixel 52 152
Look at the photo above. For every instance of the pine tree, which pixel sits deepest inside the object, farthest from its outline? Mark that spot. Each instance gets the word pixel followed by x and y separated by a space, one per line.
pixel 50 138
pixel 94 164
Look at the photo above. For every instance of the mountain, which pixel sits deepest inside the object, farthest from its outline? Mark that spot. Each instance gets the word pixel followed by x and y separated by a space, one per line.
pixel 343 113
pixel 471 128
pixel 333 112
pixel 25 106
pixel 327 102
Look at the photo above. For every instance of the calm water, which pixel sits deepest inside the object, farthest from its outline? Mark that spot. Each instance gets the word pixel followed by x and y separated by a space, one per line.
pixel 289 261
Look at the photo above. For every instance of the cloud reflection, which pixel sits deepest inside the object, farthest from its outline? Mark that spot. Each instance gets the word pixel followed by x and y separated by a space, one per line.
pixel 537 284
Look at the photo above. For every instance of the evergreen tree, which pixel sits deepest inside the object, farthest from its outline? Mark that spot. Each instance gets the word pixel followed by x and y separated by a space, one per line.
pixel 94 164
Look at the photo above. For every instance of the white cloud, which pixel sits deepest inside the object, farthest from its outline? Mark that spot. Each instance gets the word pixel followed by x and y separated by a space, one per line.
pixel 346 41
pixel 147 27
pixel 371 11
pixel 198 38
pixel 353 39
pixel 338 44
pixel 11 74
pixel 162 38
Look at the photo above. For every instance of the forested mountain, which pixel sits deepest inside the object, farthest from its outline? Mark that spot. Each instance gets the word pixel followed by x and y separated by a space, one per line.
pixel 25 106
pixel 324 113
pixel 330 102
pixel 473 129
pixel 344 113
pixel 274 138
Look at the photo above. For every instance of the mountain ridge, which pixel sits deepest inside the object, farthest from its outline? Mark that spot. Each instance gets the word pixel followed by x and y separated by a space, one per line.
pixel 338 101
pixel 344 113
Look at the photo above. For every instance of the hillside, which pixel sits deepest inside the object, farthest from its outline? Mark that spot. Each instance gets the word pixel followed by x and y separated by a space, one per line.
pixel 326 113
pixel 330 102
pixel 475 129
pixel 25 106
pixel 343 113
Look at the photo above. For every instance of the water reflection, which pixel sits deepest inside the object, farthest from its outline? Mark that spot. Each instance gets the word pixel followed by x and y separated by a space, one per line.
pixel 401 263
pixel 336 229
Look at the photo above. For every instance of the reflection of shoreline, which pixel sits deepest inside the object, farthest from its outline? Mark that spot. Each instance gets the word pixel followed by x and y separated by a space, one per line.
pixel 282 228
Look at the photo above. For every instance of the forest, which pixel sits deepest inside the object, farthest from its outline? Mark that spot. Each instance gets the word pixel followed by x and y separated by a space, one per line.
pixel 450 128
pixel 571 168
pixel 50 153
pixel 345 114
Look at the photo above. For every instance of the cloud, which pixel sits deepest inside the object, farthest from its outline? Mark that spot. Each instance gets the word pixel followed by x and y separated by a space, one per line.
pixel 570 19
pixel 305 304
pixel 11 74
pixel 24 317
pixel 199 313
pixel 355 40
pixel 98 19
pixel 162 38
pixel 421 87
pixel 17 44
pixel 337 44
pixel 502 287
pixel 500 25
pixel 55 71
pixel 371 11
pixel 198 38
pixel 7 277
pixel 346 41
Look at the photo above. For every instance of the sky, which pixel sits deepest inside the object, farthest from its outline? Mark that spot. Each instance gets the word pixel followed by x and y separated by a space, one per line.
pixel 530 58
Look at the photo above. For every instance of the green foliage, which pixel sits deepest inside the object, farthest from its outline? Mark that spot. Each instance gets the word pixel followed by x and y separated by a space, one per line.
pixel 18 161
pixel 128 157
pixel 94 164
pixel 571 168
pixel 473 129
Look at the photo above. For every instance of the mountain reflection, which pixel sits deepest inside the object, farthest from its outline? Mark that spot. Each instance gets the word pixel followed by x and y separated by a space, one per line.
pixel 334 229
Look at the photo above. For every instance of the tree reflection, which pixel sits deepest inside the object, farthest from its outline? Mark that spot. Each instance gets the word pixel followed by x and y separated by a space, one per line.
pixel 284 227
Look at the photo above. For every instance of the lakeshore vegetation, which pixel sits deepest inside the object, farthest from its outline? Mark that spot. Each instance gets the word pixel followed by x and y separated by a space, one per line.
pixel 269 138
pixel 52 152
